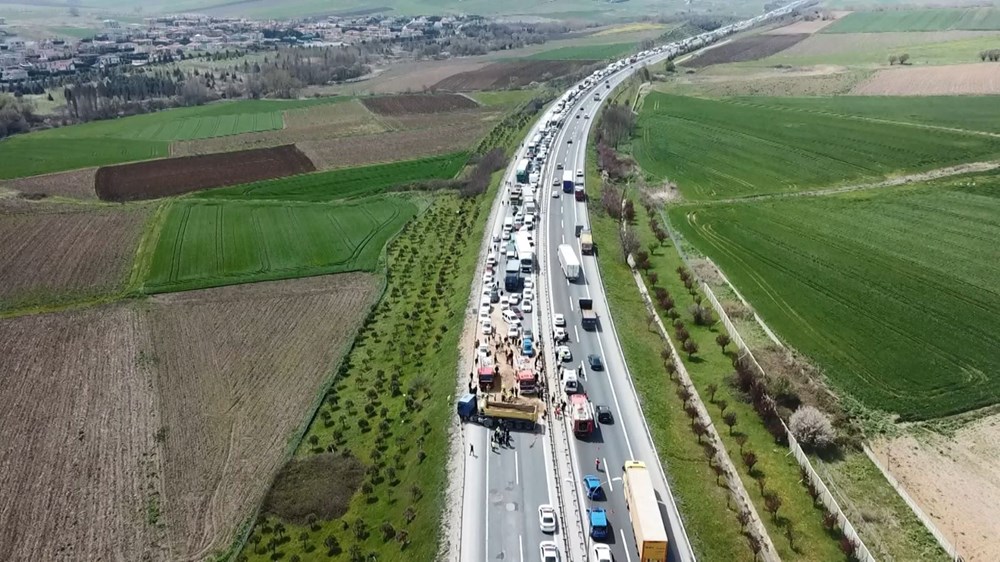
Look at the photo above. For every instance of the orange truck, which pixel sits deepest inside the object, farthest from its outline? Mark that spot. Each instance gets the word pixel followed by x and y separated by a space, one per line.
pixel 640 498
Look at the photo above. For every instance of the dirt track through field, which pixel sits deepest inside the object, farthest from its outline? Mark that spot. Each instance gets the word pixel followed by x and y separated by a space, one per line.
pixel 152 429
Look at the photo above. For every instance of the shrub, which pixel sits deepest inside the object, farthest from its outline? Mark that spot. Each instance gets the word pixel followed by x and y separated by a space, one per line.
pixel 812 428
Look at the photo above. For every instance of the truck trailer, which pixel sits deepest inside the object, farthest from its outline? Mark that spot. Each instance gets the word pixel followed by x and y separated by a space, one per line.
pixel 586 242
pixel 640 499
pixel 588 316
pixel 569 262
pixel 581 411
pixel 489 412
pixel 525 252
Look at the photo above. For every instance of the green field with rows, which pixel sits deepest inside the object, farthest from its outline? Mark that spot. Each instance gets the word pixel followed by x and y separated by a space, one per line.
pixel 894 293
pixel 975 113
pixel 213 243
pixel 718 149
pixel 936 19
pixel 345 183
pixel 586 52
pixel 139 137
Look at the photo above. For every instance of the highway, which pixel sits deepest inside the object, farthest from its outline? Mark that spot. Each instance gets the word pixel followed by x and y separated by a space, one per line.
pixel 503 489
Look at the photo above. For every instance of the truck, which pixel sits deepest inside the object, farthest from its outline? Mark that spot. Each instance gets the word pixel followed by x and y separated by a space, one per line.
pixel 588 316
pixel 522 170
pixel 579 193
pixel 599 523
pixel 568 184
pixel 512 280
pixel 488 410
pixel 581 411
pixel 526 382
pixel 586 242
pixel 516 194
pixel 525 252
pixel 640 499
pixel 569 262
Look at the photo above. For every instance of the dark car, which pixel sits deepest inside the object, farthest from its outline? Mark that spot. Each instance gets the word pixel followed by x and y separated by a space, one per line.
pixel 604 414
pixel 595 362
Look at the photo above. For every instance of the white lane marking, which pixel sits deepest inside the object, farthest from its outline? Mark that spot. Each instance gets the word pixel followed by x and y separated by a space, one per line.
pixel 607 470
pixel 561 224
pixel 520 546
pixel 571 305
pixel 486 533
pixel 563 238
pixel 517 470
pixel 577 334
pixel 628 556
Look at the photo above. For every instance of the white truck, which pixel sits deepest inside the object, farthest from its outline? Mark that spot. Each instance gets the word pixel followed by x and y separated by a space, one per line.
pixel 569 262
pixel 525 251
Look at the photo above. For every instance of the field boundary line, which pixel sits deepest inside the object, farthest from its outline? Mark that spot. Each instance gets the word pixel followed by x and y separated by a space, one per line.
pixel 142 260
pixel 918 177
pixel 865 118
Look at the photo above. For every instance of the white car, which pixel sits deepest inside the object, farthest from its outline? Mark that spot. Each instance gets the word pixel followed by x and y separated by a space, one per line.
pixel 547 518
pixel 579 173
pixel 529 283
pixel 548 551
pixel 555 194
pixel 484 313
pixel 514 299
pixel 487 327
pixel 601 553
pixel 514 332
pixel 559 320
pixel 528 294
pixel 556 182
pixel 560 335
pixel 506 235
pixel 491 261
pixel 526 306
pixel 564 354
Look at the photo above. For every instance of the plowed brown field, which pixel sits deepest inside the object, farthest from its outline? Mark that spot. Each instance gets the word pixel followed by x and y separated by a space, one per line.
pixel 418 103
pixel 513 74
pixel 150 430
pixel 76 184
pixel 173 176
pixel 56 252
pixel 746 49
pixel 957 79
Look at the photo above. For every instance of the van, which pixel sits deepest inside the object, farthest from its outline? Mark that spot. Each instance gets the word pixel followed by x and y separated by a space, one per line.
pixel 510 318
pixel 571 385
pixel 508 224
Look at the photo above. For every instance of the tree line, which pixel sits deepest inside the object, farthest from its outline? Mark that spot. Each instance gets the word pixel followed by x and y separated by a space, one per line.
pixel 16 115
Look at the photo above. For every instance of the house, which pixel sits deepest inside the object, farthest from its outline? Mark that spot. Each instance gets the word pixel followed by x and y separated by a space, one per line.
pixel 13 74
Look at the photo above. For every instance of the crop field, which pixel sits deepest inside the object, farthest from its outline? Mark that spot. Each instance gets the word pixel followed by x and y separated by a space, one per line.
pixel 873 49
pixel 62 252
pixel 75 184
pixel 140 137
pixel 345 183
pixel 716 149
pixel 940 19
pixel 173 176
pixel 746 49
pixel 418 103
pixel 510 74
pixel 972 79
pixel 887 291
pixel 395 145
pixel 214 243
pixel 586 52
pixel 974 113
pixel 187 406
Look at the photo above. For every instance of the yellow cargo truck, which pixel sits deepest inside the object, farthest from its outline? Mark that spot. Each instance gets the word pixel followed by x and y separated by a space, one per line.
pixel 640 498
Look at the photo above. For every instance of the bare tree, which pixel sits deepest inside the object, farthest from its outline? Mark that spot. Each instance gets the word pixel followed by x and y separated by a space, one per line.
pixel 723 340
pixel 772 502
pixel 629 241
pixel 730 420
pixel 690 347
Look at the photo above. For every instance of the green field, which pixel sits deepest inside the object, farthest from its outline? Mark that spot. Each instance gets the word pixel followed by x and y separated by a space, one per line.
pixel 896 294
pixel 874 49
pixel 918 20
pixel 975 113
pixel 212 243
pixel 586 52
pixel 716 149
pixel 344 183
pixel 139 137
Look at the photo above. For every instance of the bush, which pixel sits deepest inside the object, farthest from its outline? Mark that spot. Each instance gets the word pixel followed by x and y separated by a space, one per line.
pixel 812 428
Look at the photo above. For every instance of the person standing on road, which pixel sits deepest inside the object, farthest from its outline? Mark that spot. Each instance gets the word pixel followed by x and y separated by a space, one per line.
pixel 597 465
pixel 472 450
